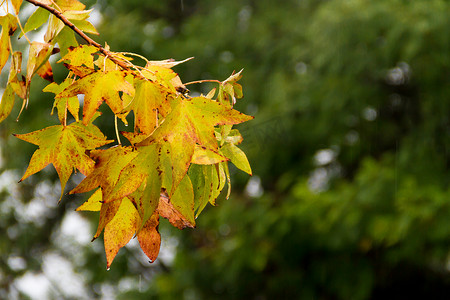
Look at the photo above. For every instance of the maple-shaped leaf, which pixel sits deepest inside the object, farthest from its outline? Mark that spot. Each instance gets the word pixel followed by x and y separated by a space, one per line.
pixel 9 25
pixel 98 87
pixel 64 147
pixel 192 122
pixel 150 100
pixel 63 105
pixel 81 55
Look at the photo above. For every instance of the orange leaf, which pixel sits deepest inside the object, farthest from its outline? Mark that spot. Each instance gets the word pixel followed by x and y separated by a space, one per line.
pixel 149 237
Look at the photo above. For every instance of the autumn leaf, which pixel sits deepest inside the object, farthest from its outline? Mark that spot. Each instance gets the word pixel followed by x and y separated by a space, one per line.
pixel 149 237
pixel 7 102
pixel 120 229
pixel 9 25
pixel 150 100
pixel 63 105
pixel 64 147
pixel 80 56
pixel 38 61
pixel 98 87
pixel 192 122
pixel 108 165
pixel 179 209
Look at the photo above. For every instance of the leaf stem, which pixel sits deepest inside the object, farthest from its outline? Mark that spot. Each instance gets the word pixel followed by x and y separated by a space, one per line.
pixel 202 81
pixel 90 41
pixel 117 130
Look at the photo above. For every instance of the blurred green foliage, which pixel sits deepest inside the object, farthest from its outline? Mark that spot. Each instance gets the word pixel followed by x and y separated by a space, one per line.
pixel 351 143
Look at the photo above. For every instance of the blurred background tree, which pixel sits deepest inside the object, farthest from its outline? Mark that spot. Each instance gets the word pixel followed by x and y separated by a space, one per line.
pixel 350 150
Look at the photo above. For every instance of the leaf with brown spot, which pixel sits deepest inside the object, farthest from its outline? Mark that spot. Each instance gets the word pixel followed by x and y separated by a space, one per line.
pixel 64 147
pixel 98 87
pixel 192 122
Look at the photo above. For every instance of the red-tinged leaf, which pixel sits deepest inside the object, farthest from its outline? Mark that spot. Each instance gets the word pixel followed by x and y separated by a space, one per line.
pixel 192 122
pixel 9 25
pixel 63 105
pixel 65 148
pixel 94 203
pixel 98 87
pixel 149 237
pixel 16 5
pixel 237 157
pixel 7 102
pixel 167 210
pixel 120 229
pixel 46 71
pixel 79 56
pixel 108 165
pixel 149 101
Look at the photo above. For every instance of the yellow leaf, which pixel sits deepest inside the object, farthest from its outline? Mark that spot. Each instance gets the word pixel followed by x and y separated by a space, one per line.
pixel 94 203
pixel 120 229
pixel 9 25
pixel 98 87
pixel 16 4
pixel 65 148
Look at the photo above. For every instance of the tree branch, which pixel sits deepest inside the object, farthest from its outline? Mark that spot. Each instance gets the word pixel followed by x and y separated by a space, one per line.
pixel 90 41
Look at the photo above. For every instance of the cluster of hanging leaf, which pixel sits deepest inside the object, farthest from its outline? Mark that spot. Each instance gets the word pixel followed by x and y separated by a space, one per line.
pixel 176 161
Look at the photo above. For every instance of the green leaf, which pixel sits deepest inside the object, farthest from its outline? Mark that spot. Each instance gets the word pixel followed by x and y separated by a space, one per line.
pixel 36 20
pixel 237 157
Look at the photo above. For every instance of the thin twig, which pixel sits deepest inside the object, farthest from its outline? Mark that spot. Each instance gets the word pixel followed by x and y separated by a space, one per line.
pixel 202 81
pixel 90 41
